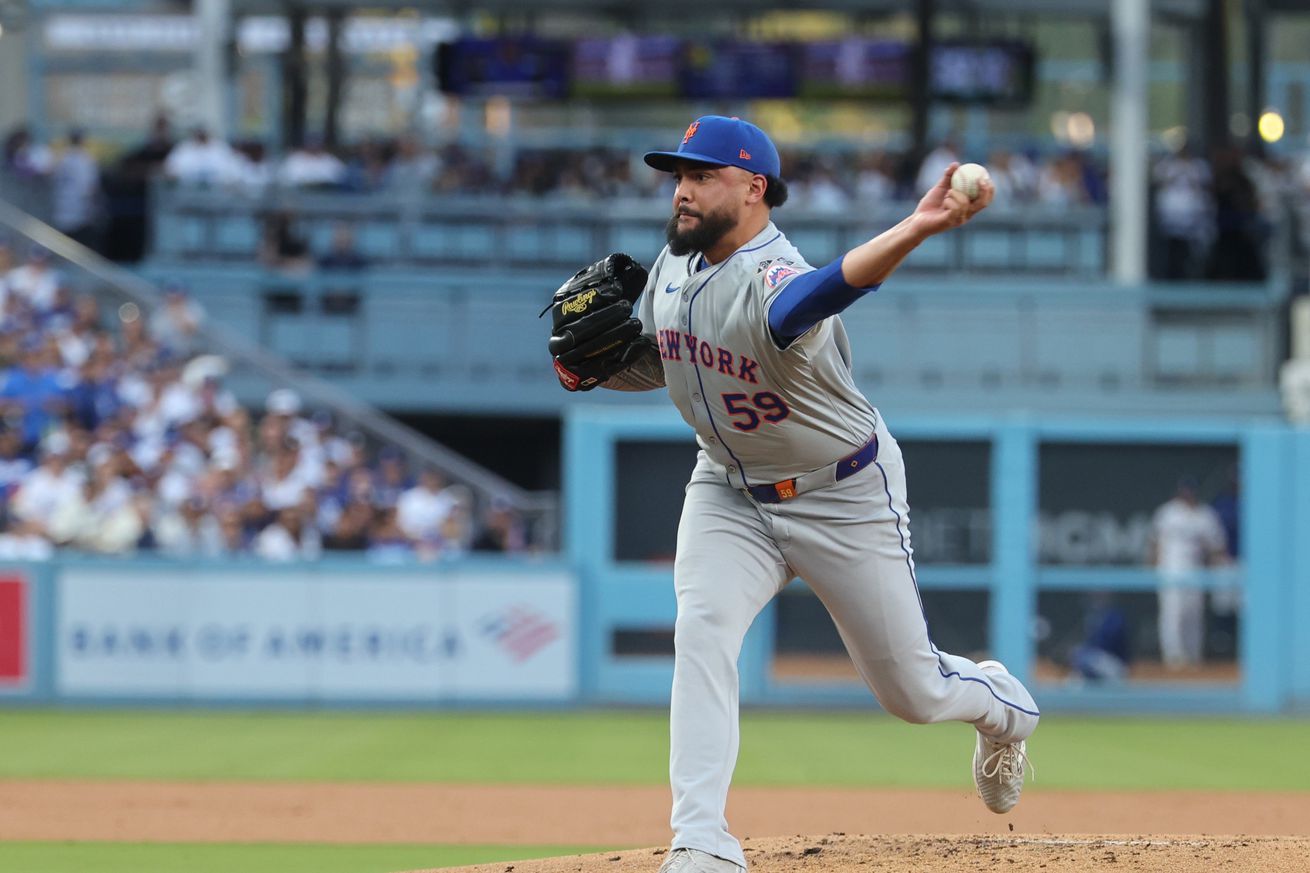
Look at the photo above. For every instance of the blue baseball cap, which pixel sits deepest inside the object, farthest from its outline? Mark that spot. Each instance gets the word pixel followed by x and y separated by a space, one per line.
pixel 726 142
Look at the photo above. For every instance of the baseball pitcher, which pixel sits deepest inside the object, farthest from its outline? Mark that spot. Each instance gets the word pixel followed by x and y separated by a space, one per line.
pixel 797 473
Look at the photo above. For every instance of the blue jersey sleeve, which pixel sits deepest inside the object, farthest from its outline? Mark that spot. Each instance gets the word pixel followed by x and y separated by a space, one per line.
pixel 809 299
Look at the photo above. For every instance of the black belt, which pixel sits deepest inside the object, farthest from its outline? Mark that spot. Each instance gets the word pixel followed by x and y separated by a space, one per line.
pixel 847 466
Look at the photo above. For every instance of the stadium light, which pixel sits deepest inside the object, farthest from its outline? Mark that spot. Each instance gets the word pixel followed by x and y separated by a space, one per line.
pixel 1271 126
pixel 1081 129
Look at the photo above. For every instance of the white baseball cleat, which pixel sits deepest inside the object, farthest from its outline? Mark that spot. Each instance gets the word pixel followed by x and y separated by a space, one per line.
pixel 696 861
pixel 998 768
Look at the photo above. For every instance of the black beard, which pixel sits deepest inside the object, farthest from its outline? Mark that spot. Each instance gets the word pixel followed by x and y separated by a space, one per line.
pixel 708 231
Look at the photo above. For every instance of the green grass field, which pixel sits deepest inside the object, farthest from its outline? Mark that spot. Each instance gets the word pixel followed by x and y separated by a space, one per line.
pixel 631 748
pixel 259 858
pixel 604 747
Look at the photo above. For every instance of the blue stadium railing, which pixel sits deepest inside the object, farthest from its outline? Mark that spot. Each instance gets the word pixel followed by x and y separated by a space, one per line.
pixel 466 339
pixel 558 231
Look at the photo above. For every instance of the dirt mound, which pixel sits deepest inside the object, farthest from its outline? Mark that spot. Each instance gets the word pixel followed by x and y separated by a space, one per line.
pixel 964 854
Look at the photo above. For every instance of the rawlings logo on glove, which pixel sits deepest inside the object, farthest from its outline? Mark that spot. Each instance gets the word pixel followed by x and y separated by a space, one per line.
pixel 578 305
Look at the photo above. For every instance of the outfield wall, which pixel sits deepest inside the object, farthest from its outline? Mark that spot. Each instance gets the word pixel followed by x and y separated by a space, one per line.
pixel 1030 479
pixel 1010 515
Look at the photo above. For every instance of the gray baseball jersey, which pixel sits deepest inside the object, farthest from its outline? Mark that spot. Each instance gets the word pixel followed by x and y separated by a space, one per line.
pixel 761 413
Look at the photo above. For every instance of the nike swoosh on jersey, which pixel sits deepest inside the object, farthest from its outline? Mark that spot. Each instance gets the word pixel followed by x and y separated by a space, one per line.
pixel 671 288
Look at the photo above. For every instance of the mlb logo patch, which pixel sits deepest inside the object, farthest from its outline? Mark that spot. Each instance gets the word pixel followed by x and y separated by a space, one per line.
pixel 776 274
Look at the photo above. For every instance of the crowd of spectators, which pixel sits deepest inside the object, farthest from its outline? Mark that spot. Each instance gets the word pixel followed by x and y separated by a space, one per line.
pixel 402 166
pixel 1211 215
pixel 1214 216
pixel 125 441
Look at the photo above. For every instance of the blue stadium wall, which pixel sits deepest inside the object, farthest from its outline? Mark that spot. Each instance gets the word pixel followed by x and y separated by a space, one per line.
pixel 478 632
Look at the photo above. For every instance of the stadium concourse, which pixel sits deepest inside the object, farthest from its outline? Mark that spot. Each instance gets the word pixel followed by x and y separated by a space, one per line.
pixel 119 437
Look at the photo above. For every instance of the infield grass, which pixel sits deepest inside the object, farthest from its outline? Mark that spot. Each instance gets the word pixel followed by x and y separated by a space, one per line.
pixel 74 857
pixel 631 748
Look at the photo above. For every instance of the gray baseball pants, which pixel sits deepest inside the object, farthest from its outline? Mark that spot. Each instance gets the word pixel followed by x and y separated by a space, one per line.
pixel 850 542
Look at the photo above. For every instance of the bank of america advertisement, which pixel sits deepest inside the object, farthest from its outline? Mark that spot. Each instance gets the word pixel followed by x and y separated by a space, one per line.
pixel 196 634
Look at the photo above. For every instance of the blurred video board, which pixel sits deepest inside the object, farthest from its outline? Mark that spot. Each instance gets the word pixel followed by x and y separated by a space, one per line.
pixel 855 69
pixel 982 72
pixel 507 67
pixel 729 70
pixel 627 66
pixel 665 67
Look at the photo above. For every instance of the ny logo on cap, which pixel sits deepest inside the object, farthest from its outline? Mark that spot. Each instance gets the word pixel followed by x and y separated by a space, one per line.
pixel 691 131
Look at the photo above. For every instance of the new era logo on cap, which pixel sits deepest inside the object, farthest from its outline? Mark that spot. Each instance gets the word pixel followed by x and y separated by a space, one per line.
pixel 727 142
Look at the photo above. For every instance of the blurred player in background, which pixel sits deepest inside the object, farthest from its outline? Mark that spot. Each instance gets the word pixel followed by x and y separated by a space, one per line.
pixel 1186 537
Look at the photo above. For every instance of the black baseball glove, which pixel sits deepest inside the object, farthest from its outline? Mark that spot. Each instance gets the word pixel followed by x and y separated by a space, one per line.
pixel 595 334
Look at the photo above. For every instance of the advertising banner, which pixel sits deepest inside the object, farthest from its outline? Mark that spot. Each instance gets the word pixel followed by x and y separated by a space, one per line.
pixel 14 631
pixel 274 635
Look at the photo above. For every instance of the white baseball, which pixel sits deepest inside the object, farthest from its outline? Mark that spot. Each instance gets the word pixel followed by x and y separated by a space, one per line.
pixel 967 177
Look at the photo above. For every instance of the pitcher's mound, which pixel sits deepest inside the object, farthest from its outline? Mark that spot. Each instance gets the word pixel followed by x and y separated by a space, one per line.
pixel 965 854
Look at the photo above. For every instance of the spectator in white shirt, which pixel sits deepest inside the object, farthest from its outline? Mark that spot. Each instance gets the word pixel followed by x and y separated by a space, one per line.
pixel 421 510
pixel 288 538
pixel 189 531
pixel 176 324
pixel 99 517
pixel 1186 537
pixel 75 189
pixel 1061 183
pixel 25 157
pixel 202 161
pixel 255 171
pixel 934 164
pixel 311 166
pixel 24 542
pixel 36 281
pixel 161 406
pixel 42 490
pixel 875 182
pixel 283 420
pixel 286 403
pixel 1004 179
pixel 284 482
pixel 182 465
pixel 178 401
pixel 1184 212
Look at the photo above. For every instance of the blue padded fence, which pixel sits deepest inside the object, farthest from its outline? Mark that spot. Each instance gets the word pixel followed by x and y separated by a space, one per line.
pixel 1274 568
